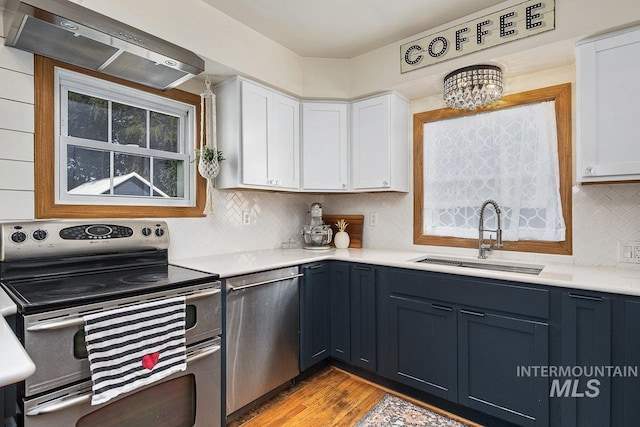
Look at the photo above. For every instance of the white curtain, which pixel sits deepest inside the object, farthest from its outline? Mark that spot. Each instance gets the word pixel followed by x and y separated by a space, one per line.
pixel 509 155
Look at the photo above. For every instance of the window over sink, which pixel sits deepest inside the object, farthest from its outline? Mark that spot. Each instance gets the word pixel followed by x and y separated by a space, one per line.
pixel 109 148
pixel 517 151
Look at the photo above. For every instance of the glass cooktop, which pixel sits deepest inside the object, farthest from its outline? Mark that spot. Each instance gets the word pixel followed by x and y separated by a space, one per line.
pixel 35 295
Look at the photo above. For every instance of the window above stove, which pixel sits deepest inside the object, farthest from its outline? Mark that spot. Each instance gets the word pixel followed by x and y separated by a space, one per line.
pixel 110 148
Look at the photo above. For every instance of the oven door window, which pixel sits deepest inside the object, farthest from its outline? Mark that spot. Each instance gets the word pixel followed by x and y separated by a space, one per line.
pixel 172 402
pixel 80 346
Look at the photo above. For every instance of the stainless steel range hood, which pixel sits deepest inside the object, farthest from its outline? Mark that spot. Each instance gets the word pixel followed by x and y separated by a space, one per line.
pixel 65 31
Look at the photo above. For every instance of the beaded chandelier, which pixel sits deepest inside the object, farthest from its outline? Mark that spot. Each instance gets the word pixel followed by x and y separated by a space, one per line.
pixel 472 87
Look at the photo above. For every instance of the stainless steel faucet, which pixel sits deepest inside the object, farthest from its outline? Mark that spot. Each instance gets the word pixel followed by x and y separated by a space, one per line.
pixel 483 247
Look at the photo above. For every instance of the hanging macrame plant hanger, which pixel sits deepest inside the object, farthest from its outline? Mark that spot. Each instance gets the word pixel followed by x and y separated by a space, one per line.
pixel 208 165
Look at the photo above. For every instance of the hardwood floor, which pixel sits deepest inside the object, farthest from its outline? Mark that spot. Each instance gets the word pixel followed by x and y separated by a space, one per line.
pixel 332 397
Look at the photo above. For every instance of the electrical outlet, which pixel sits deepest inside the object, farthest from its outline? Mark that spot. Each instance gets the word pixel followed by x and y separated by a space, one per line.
pixel 373 219
pixel 629 252
pixel 246 218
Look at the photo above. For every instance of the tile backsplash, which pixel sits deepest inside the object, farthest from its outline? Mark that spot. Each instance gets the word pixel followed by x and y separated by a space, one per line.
pixel 274 218
pixel 603 215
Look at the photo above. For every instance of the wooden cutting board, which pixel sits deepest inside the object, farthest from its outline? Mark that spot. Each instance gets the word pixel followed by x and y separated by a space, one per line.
pixel 356 223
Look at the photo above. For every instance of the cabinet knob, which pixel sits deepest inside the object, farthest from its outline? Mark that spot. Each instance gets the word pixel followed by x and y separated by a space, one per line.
pixel 344 185
pixel 588 170
pixel 385 183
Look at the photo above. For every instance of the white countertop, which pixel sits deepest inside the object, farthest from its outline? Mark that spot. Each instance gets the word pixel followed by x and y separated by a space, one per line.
pixel 15 363
pixel 604 279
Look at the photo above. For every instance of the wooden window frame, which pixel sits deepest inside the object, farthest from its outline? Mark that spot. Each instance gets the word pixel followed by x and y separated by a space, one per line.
pixel 44 153
pixel 561 94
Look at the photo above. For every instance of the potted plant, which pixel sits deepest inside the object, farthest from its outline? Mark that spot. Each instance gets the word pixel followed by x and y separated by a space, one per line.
pixel 209 160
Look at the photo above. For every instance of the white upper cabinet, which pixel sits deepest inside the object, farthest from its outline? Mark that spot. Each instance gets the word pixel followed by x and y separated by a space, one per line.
pixel 608 137
pixel 259 135
pixel 380 143
pixel 342 145
pixel 325 149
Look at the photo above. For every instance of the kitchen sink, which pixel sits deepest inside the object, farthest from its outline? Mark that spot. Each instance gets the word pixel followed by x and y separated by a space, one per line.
pixel 510 267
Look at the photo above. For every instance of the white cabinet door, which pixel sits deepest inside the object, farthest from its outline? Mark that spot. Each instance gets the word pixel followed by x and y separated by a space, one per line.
pixel 270 138
pixel 255 136
pixel 325 155
pixel 371 142
pixel 380 143
pixel 283 155
pixel 608 122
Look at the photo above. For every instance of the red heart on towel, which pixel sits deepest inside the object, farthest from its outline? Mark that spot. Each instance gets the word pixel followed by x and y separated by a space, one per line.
pixel 150 360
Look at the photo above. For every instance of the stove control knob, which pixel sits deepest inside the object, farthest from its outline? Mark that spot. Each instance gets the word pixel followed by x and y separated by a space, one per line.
pixel 159 232
pixel 40 235
pixel 18 237
pixel 146 232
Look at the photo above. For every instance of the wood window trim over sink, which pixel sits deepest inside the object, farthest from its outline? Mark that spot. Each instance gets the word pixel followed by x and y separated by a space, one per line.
pixel 44 153
pixel 561 94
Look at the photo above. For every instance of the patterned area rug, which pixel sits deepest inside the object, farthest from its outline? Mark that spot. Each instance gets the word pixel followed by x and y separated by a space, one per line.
pixel 393 411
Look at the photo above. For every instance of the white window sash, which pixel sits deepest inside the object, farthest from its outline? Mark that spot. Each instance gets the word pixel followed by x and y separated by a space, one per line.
pixel 66 81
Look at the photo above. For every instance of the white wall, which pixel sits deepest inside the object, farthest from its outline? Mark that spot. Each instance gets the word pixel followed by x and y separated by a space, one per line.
pixel 575 19
pixel 231 47
pixel 16 134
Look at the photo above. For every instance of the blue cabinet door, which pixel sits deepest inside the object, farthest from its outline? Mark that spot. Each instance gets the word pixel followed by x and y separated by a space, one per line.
pixel 363 317
pixel 422 346
pixel 586 342
pixel 631 357
pixel 340 302
pixel 492 351
pixel 315 334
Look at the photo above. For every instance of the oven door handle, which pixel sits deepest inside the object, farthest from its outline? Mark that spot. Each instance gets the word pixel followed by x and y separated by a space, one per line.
pixel 59 406
pixel 201 354
pixel 48 326
pixel 77 321
pixel 202 294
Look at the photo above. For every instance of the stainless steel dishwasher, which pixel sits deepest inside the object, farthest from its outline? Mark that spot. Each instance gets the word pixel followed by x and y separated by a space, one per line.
pixel 262 327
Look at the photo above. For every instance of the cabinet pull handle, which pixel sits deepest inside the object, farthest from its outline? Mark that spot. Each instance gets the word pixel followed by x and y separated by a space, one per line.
pixel 472 313
pixel 358 267
pixel 441 307
pixel 587 297
pixel 314 267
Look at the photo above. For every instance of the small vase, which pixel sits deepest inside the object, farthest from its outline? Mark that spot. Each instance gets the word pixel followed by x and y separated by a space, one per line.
pixel 341 240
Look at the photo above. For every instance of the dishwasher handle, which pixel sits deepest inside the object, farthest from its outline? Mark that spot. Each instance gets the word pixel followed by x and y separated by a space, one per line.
pixel 264 282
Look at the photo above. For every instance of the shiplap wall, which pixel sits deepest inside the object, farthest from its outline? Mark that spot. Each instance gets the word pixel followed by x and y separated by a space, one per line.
pixel 16 134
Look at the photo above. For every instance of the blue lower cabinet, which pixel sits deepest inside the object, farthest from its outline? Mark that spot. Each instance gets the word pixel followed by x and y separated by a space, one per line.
pixel 434 339
pixel 586 343
pixel 315 334
pixel 422 348
pixel 353 314
pixel 363 317
pixel 631 358
pixel 495 353
pixel 340 302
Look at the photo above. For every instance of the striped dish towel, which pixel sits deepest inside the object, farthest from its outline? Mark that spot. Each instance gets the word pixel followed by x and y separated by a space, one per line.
pixel 131 347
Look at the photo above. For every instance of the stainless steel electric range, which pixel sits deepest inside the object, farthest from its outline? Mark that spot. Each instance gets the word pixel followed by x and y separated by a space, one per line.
pixel 59 271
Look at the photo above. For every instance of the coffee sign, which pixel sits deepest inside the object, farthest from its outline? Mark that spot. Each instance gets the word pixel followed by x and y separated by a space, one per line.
pixel 516 22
